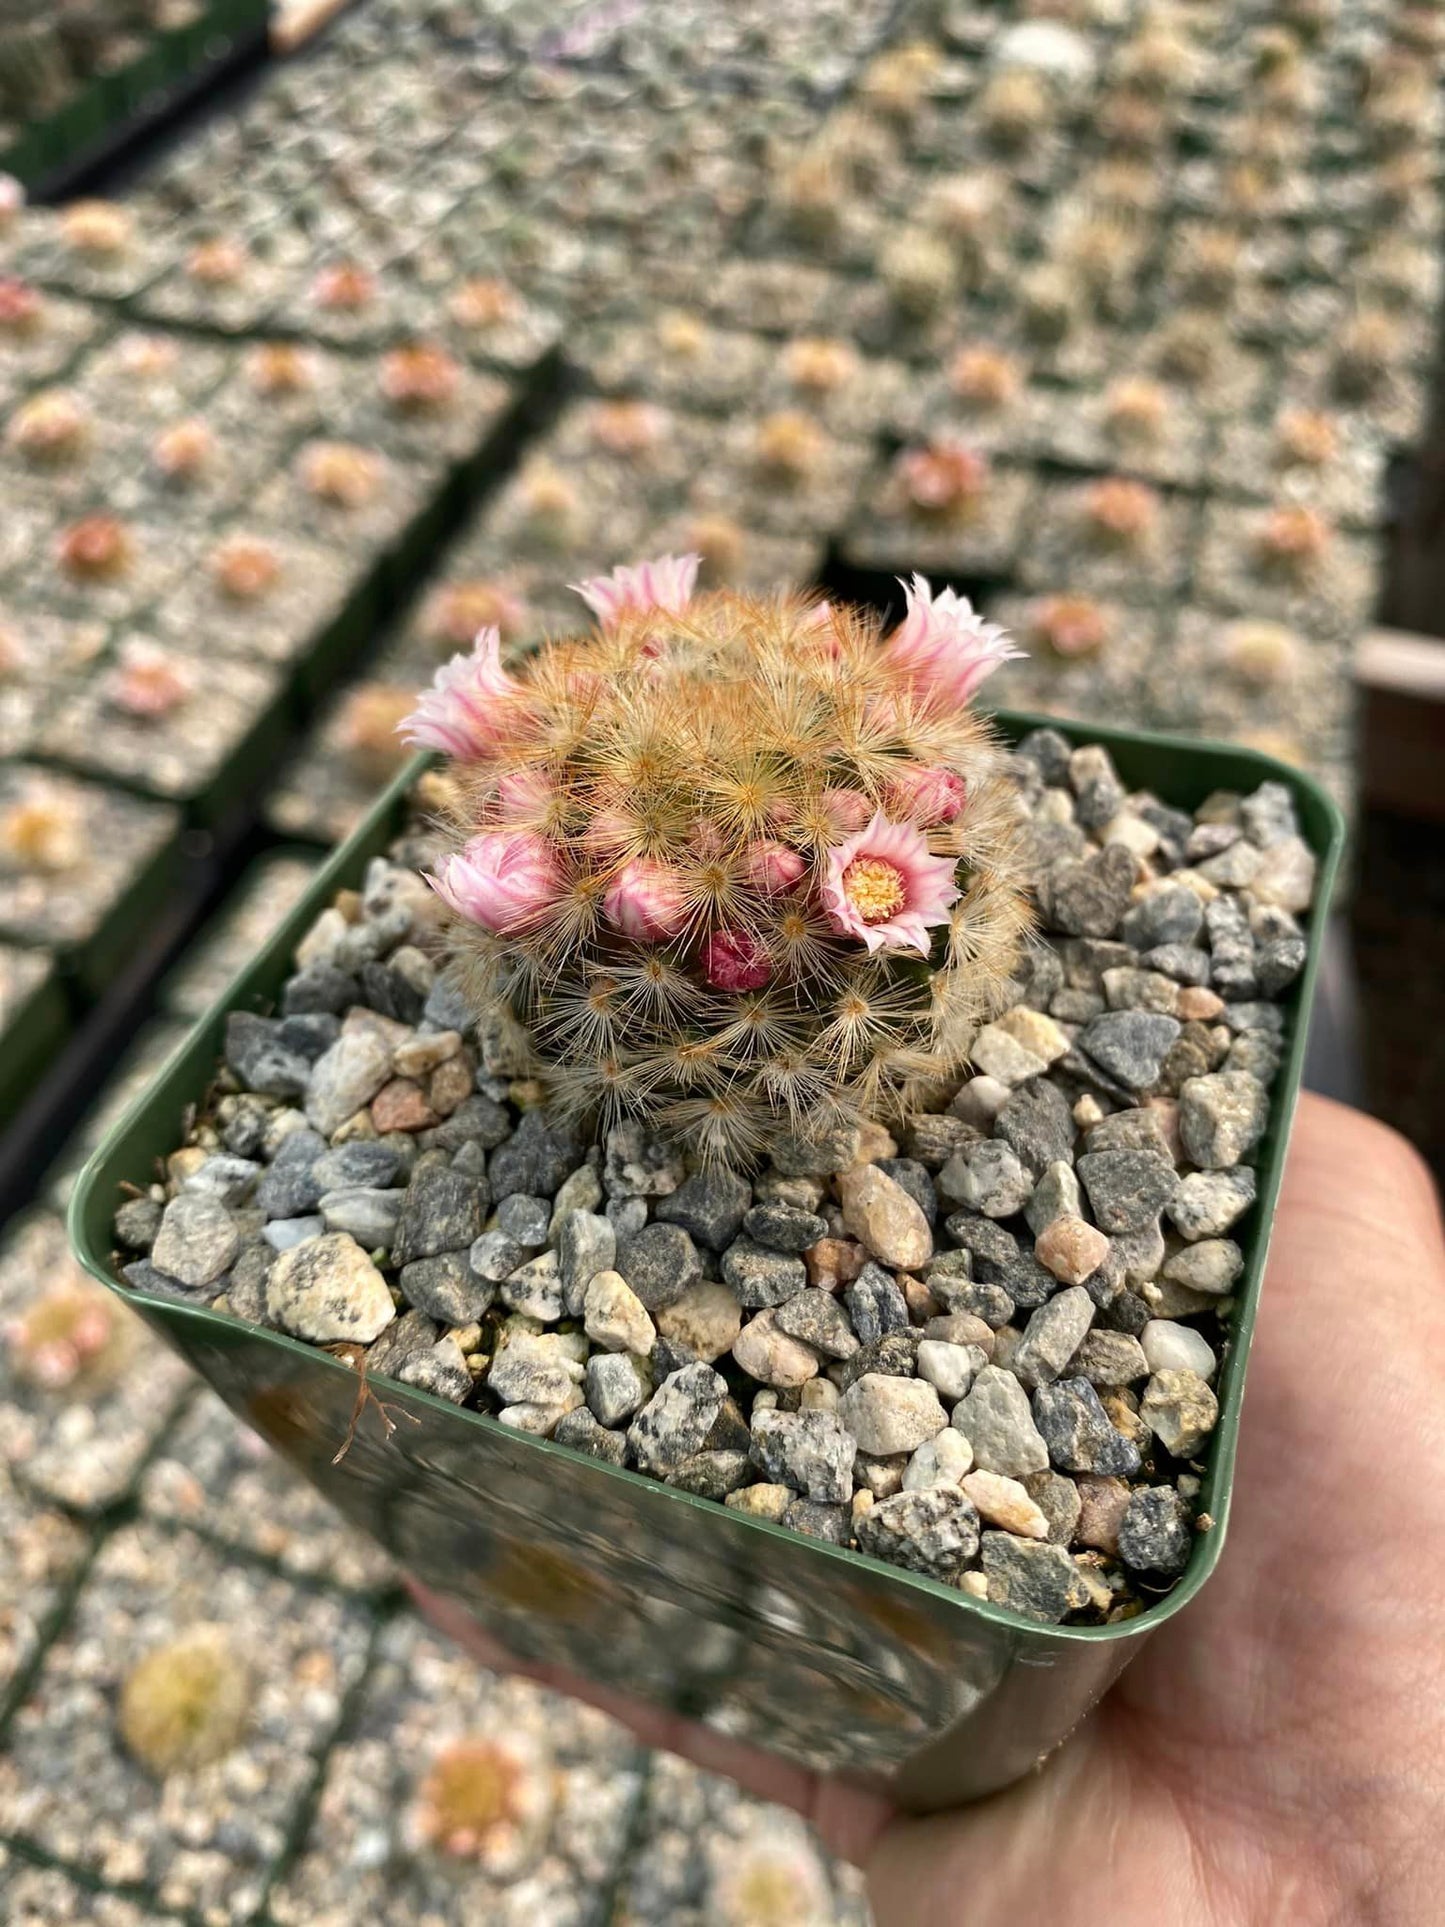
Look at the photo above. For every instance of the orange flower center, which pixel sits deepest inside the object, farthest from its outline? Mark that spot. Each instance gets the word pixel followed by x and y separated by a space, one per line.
pixel 875 888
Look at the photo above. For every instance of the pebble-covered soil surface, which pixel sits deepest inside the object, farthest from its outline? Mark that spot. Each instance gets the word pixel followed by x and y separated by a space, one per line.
pixel 981 1345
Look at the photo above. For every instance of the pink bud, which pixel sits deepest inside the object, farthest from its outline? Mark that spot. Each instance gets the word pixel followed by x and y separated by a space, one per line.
pixel 664 584
pixel 847 809
pixel 646 900
pixel 469 709
pixel 732 960
pixel 927 797
pixel 503 880
pixel 772 867
pixel 520 794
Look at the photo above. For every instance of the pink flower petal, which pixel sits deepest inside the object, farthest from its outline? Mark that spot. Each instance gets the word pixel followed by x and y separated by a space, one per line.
pixel 665 583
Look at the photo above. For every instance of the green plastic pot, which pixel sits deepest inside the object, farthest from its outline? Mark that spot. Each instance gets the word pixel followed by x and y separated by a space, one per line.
pixel 826 1656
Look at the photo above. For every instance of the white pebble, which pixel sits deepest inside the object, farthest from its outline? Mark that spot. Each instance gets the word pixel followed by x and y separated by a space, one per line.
pixel 950 1369
pixel 941 1461
pixel 1177 1348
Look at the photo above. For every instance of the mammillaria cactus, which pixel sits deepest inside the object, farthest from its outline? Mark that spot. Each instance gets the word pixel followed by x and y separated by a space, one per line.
pixel 186 1703
pixel 738 866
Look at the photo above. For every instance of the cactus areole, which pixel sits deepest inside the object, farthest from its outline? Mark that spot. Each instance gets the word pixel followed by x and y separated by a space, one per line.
pixel 738 866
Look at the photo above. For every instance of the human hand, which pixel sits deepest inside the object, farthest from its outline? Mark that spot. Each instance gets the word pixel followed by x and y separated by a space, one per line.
pixel 1277 1751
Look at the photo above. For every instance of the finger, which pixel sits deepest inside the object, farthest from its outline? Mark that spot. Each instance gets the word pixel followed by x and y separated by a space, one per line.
pixel 848 1818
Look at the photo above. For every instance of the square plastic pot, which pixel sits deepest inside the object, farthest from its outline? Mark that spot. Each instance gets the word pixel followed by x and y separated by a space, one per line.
pixel 822 1654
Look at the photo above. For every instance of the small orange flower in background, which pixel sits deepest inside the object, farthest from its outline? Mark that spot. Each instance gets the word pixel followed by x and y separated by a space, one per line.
pixel 97 548
pixel 1070 625
pixel 245 569
pixel 1120 511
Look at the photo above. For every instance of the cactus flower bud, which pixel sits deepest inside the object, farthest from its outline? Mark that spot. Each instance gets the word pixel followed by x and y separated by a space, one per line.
pixel 732 961
pixel 471 707
pixel 647 900
pixel 928 797
pixel 772 867
pixel 503 880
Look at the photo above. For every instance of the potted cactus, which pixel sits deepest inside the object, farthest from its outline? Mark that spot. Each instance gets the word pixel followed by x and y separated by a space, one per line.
pixel 658 1186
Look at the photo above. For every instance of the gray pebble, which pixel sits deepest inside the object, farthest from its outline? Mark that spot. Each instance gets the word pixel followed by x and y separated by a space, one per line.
pixel 443 1211
pixel 783 1227
pixel 810 1451
pixel 197 1240
pixel 534 1160
pixel 875 1304
pixel 1088 898
pixel 447 1289
pixel 535 1288
pixel 1110 1359
pixel 369 1216
pixel 617 1387
pixel 819 1320
pixel 676 1420
pixel 1221 1118
pixel 710 1206
pixel 282 1234
pixel 1172 914
pixel 1130 1045
pixel 761 1277
pixel 366 1161
pixel 933 1531
pixel 1127 1189
pixel 998 1423
pixel 581 1431
pixel 1038 1124
pixel 1032 1577
pixel 1155 1534
pixel 640 1165
pixel 1078 1432
pixel 1052 1336
pixel 494 1256
pixel 832 1523
pixel 586 1244
pixel 292 1185
pixel 524 1218
pixel 1209 1203
pixel 259 1059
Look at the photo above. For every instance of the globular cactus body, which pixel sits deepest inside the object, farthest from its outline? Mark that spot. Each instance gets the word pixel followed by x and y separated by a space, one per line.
pixel 739 866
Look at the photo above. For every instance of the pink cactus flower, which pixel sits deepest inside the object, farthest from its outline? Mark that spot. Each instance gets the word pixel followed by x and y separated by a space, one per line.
pixel 646 900
pixel 665 583
pixel 470 708
pixel 884 886
pixel 503 880
pixel 732 960
pixel 927 797
pixel 943 646
pixel 772 867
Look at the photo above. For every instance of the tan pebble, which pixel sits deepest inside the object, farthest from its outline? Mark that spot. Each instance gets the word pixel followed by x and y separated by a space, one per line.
pixel 919 1299
pixel 881 1214
pixel 1123 1411
pixel 1004 1502
pixel 181 1164
pixel 402 1105
pixel 874 1143
pixel 357 1129
pixel 771 1356
pixel 425 1051
pixel 1165 1111
pixel 1198 1005
pixel 707 1319
pixel 449 1086
pixel 1104 1501
pixel 761 1501
pixel 348 903
pixel 360 1022
pixel 833 1262
pixel 974 1584
pixel 1035 1031
pixel 527 1093
pixel 1071 1249
pixel 863 1501
pixel 1087 1111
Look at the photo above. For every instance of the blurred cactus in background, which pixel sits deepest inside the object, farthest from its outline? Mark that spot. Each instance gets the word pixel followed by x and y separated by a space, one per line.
pixel 739 866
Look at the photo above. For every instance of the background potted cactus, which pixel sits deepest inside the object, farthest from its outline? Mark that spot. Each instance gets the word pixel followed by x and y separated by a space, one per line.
pixel 556 1227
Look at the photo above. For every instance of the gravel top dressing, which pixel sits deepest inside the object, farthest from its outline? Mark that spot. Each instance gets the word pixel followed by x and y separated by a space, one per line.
pixel 978 1344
